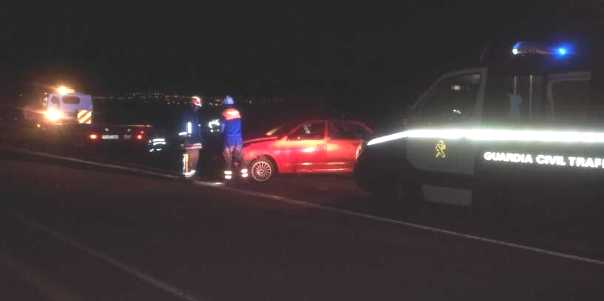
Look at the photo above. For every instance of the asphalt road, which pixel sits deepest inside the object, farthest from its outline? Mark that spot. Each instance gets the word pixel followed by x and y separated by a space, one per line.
pixel 75 232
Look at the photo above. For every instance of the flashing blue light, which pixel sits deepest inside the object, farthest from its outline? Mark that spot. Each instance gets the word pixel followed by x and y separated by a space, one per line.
pixel 562 51
pixel 557 51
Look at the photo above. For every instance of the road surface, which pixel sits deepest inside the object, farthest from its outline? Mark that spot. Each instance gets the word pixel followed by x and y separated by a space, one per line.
pixel 76 232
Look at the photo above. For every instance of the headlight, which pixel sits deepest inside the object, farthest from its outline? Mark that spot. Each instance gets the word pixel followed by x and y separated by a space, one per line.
pixel 54 115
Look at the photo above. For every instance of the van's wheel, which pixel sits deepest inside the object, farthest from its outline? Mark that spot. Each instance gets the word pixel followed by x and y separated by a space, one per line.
pixel 262 169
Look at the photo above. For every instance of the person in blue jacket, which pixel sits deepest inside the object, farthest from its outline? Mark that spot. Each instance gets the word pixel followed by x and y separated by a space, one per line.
pixel 233 141
pixel 191 135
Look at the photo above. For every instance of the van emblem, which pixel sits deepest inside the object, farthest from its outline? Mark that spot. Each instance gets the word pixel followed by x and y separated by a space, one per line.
pixel 440 150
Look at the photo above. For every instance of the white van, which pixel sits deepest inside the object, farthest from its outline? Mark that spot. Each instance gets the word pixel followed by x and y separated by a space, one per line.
pixel 68 107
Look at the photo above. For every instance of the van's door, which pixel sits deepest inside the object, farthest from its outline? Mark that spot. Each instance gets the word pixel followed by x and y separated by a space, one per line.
pixel 543 102
pixel 306 146
pixel 446 163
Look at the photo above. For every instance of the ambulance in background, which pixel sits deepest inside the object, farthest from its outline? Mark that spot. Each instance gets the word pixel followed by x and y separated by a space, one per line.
pixel 63 105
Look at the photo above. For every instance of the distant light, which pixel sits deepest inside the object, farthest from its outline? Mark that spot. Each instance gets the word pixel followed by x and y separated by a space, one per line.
pixel 456 87
pixel 139 137
pixel 38 125
pixel 515 51
pixel 93 136
pixel 64 90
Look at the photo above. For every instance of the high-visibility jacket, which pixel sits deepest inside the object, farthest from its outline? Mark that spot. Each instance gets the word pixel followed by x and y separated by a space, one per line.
pixel 231 127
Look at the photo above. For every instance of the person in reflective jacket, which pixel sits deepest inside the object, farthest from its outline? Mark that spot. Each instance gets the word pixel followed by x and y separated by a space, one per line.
pixel 233 141
pixel 191 135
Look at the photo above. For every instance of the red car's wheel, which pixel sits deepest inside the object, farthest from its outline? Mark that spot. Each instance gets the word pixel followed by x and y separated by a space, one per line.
pixel 262 169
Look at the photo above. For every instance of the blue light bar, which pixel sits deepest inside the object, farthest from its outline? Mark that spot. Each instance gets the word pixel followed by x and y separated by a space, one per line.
pixel 531 48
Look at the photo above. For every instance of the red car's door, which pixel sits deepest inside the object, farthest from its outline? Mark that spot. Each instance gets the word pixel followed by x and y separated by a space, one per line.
pixel 343 144
pixel 306 146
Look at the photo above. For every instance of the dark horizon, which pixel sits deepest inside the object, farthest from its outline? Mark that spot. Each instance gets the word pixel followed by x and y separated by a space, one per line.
pixel 255 50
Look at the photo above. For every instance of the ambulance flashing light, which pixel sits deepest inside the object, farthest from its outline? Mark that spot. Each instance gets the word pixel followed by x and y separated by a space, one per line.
pixel 64 90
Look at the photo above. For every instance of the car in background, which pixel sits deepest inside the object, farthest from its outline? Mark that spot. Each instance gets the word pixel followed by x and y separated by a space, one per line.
pixel 131 138
pixel 312 146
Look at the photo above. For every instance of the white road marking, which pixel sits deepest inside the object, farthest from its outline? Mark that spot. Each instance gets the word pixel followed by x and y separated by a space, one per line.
pixel 106 258
pixel 92 163
pixel 340 211
pixel 409 224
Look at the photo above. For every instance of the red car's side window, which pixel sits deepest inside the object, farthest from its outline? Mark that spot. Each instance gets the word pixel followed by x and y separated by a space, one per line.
pixel 309 131
pixel 347 130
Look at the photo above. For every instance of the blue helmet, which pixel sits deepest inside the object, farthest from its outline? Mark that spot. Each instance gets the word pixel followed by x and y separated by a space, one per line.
pixel 228 101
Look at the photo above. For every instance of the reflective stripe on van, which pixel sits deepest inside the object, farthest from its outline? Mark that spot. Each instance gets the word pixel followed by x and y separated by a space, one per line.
pixel 84 117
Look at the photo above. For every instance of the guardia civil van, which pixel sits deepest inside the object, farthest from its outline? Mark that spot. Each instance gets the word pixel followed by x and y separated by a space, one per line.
pixel 528 119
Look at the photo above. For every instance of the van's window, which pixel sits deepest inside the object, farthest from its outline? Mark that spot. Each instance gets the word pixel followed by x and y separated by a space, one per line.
pixel 515 99
pixel 451 99
pixel 570 100
pixel 71 100
pixel 551 100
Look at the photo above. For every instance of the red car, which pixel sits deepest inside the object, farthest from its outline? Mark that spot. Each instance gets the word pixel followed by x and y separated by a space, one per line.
pixel 314 146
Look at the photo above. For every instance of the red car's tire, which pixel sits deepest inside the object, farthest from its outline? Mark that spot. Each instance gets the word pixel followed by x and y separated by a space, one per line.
pixel 262 169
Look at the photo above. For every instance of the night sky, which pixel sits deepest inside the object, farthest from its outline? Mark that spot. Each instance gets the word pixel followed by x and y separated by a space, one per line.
pixel 257 49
